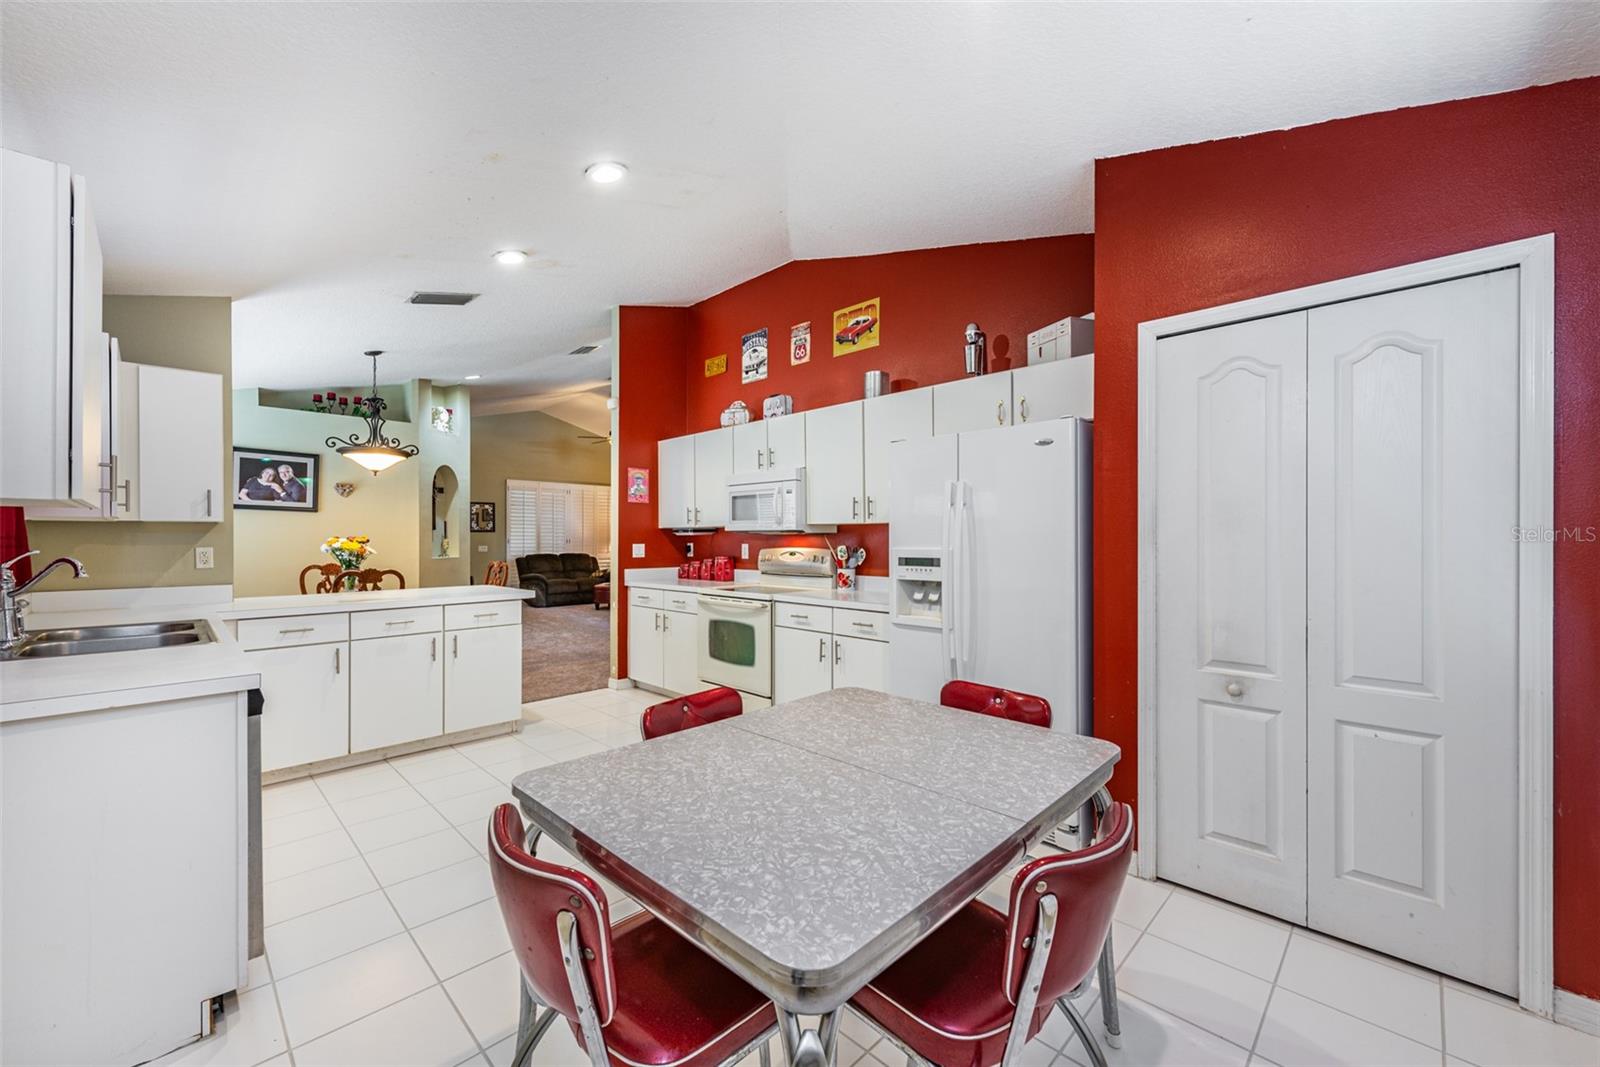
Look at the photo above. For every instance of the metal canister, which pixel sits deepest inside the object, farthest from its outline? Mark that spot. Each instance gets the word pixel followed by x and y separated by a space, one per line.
pixel 876 383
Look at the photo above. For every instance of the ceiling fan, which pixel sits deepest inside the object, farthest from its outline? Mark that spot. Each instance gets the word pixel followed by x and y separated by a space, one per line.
pixel 594 438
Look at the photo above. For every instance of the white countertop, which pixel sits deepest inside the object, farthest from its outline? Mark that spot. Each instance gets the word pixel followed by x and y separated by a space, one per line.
pixel 38 688
pixel 872 595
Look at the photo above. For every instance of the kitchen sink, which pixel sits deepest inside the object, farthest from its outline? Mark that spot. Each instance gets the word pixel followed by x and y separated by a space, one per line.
pixel 89 640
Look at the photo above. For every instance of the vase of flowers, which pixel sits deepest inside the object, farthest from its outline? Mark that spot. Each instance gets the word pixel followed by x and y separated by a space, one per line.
pixel 350 552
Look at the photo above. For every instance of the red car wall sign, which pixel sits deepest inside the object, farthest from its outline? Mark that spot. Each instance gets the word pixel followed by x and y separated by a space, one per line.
pixel 857 327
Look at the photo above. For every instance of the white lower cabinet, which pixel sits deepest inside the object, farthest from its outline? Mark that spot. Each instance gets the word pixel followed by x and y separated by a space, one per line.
pixel 808 658
pixel 396 690
pixel 680 658
pixel 802 664
pixel 305 716
pixel 861 663
pixel 482 677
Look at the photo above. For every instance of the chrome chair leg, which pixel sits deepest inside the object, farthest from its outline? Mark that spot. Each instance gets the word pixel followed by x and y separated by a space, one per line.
pixel 530 1036
pixel 765 1055
pixel 1108 961
pixel 1097 1058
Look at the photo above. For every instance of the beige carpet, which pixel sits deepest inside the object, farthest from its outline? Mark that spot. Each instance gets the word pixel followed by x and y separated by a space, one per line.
pixel 564 650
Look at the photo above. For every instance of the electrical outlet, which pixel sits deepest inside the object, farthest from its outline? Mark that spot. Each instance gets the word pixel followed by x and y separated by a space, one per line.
pixel 205 557
pixel 483 548
pixel 744 551
pixel 638 552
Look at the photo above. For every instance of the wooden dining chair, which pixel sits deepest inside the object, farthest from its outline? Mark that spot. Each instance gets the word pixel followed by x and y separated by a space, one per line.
pixel 1000 703
pixel 973 992
pixel 636 992
pixel 365 580
pixel 324 571
pixel 499 573
pixel 685 713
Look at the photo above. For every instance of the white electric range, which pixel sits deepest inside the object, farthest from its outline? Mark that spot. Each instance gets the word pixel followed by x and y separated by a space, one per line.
pixel 735 639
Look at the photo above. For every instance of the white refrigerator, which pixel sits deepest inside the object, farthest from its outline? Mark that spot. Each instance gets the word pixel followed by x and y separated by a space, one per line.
pixel 989 542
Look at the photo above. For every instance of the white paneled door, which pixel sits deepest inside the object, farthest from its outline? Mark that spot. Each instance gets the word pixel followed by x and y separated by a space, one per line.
pixel 1412 624
pixel 1230 613
pixel 1336 619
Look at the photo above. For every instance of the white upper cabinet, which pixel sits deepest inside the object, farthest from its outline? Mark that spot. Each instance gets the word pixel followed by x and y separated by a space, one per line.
pixel 113 434
pixel 675 482
pixel 1054 390
pixel 895 417
pixel 55 387
pixel 749 447
pixel 786 441
pixel 976 403
pixel 833 465
pixel 180 448
pixel 713 462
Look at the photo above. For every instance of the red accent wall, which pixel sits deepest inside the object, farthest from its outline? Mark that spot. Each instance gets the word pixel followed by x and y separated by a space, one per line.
pixel 928 296
pixel 1199 225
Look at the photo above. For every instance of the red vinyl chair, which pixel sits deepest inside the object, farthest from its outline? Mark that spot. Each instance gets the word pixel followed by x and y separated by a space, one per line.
pixel 685 713
pixel 974 991
pixel 636 994
pixel 992 700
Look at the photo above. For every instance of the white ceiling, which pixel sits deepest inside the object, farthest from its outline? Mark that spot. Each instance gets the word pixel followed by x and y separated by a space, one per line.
pixel 318 162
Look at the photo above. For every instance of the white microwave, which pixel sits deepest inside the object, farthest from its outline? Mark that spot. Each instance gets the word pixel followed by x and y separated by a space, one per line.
pixel 767 501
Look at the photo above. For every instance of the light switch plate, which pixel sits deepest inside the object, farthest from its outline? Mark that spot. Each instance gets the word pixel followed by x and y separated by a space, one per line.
pixel 690 549
pixel 638 552
pixel 483 548
pixel 205 557
pixel 744 551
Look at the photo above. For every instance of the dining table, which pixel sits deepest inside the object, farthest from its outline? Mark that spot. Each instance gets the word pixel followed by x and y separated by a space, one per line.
pixel 808 845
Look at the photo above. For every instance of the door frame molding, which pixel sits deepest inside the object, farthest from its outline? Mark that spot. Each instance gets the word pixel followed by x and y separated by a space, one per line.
pixel 1535 258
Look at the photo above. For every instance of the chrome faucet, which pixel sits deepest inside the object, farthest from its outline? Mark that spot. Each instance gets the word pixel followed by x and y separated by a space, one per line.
pixel 11 607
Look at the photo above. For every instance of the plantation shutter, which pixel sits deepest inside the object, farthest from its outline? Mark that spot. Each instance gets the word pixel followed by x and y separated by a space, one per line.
pixel 558 517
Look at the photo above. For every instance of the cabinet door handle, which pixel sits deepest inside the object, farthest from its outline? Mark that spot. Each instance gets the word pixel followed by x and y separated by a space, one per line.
pixel 863 625
pixel 433 649
pixel 400 622
pixel 455 646
pixel 760 458
pixel 855 507
pixel 822 650
pixel 688 515
pixel 666 623
pixel 295 630
pixel 337 668
pixel 1022 407
pixel 769 459
pixel 696 514
pixel 658 620
pixel 487 615
pixel 1000 412
pixel 127 494
pixel 838 653
pixel 208 503
pixel 869 507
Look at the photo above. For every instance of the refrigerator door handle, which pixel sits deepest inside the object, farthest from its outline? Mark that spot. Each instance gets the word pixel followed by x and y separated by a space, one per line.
pixel 965 532
pixel 947 613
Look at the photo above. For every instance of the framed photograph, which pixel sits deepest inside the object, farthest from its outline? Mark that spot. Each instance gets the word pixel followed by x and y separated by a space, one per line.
pixel 480 516
pixel 274 480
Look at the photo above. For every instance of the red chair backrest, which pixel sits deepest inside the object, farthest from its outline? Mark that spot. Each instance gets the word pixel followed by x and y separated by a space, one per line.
pixel 1086 885
pixel 532 892
pixel 685 713
pixel 992 700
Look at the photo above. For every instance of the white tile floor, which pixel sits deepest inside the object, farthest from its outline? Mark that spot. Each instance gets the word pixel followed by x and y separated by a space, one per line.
pixel 385 945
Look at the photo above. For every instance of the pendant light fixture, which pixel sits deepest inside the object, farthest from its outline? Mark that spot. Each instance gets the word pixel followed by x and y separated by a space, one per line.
pixel 377 452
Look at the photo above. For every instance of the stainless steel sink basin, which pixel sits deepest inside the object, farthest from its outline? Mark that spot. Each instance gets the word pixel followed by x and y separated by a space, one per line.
pixel 89 640
pixel 97 633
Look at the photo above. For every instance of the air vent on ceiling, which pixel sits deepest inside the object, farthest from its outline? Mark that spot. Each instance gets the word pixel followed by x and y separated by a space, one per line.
pixel 448 299
pixel 583 350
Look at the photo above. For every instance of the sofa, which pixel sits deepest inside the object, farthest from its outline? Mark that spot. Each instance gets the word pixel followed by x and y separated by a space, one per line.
pixel 568 578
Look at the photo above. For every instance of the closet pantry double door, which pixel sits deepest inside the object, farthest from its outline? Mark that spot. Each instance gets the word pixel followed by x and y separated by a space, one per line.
pixel 1336 619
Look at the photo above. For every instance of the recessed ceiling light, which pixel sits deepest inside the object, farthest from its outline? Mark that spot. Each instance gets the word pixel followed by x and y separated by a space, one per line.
pixel 472 377
pixel 511 257
pixel 605 173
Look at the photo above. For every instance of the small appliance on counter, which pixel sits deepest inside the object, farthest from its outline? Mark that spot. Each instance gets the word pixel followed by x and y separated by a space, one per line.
pixel 735 414
pixel 1071 336
pixel 777 405
pixel 977 350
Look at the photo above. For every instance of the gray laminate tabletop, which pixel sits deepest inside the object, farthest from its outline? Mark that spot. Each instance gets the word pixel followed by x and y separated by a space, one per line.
pixel 810 844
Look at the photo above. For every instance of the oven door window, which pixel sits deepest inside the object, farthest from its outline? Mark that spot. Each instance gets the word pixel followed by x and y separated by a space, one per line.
pixel 733 643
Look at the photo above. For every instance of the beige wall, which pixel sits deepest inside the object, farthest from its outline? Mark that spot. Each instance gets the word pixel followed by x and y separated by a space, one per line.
pixel 529 446
pixel 191 333
pixel 271 547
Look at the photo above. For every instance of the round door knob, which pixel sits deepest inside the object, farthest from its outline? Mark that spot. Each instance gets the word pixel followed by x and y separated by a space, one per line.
pixel 1235 690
